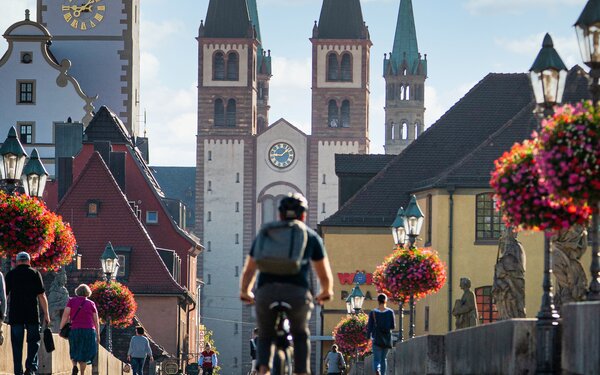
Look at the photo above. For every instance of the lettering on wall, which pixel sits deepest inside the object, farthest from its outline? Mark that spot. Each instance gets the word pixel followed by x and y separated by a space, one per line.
pixel 358 277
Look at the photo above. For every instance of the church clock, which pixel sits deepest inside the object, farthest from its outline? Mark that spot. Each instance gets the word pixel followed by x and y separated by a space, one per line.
pixel 281 155
pixel 83 14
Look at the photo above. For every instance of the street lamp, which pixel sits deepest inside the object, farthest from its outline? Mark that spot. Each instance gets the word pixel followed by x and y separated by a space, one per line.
pixel 588 35
pixel 548 74
pixel 398 230
pixel 13 160
pixel 413 220
pixel 34 176
pixel 110 267
pixel 356 298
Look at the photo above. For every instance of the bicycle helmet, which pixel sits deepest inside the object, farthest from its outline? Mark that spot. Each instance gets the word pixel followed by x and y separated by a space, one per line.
pixel 292 206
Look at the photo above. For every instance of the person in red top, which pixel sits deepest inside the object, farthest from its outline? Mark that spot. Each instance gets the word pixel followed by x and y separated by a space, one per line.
pixel 208 360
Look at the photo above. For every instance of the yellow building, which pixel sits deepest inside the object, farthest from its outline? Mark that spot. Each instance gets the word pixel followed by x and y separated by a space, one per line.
pixel 448 169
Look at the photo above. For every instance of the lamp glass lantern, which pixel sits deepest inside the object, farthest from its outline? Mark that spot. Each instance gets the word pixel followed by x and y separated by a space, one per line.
pixel 548 75
pixel 13 157
pixel 413 217
pixel 110 262
pixel 356 298
pixel 349 309
pixel 34 176
pixel 587 28
pixel 398 230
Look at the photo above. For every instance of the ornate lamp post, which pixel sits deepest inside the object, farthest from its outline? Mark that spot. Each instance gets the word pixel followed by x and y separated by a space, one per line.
pixel 413 220
pixel 588 35
pixel 399 234
pixel 13 160
pixel 354 304
pixel 548 75
pixel 110 267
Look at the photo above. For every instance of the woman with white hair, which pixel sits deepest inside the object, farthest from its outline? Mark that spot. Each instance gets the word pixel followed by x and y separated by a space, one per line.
pixel 85 327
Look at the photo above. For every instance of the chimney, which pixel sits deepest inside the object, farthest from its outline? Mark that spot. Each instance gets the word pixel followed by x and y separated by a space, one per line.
pixel 64 175
pixel 117 168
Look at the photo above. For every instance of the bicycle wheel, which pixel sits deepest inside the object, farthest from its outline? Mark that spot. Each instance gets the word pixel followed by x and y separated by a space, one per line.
pixel 283 362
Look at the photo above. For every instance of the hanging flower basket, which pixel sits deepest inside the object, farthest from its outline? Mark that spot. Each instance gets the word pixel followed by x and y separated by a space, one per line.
pixel 115 302
pixel 524 199
pixel 25 225
pixel 405 272
pixel 350 334
pixel 61 250
pixel 569 152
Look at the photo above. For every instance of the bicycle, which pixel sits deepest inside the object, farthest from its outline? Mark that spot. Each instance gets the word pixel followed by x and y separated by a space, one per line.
pixel 283 358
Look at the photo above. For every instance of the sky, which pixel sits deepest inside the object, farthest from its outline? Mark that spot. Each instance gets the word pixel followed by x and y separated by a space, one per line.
pixel 464 41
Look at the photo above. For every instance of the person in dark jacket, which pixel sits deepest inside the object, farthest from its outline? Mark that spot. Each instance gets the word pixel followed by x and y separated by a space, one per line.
pixel 379 328
pixel 25 289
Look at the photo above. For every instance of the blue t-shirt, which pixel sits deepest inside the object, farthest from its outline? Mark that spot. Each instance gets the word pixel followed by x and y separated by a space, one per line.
pixel 315 250
pixel 380 320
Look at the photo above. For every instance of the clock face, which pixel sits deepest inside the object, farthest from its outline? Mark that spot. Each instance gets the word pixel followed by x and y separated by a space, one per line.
pixel 281 155
pixel 83 14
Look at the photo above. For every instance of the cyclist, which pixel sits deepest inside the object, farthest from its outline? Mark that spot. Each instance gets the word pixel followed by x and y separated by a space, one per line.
pixel 292 289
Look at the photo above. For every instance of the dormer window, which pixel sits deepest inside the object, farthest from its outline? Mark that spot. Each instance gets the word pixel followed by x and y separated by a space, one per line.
pixel 93 208
pixel 151 217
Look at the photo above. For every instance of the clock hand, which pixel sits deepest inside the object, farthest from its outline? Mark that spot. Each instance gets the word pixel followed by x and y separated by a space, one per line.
pixel 76 10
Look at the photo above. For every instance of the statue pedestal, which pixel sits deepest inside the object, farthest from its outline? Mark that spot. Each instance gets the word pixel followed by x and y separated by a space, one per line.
pixel 581 338
pixel 505 347
pixel 426 355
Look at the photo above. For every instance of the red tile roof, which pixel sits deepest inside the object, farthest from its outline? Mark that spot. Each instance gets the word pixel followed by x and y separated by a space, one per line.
pixel 117 223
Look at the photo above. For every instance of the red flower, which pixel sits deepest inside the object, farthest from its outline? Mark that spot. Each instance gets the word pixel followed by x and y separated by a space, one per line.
pixel 61 250
pixel 350 334
pixel 114 302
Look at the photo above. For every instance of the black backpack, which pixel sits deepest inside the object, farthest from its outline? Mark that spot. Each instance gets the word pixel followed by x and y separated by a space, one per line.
pixel 279 247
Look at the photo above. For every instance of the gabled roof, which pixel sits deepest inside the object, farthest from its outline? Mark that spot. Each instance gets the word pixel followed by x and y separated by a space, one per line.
pixel 489 105
pixel 106 126
pixel 284 122
pixel 360 164
pixel 116 222
pixel 341 19
pixel 227 19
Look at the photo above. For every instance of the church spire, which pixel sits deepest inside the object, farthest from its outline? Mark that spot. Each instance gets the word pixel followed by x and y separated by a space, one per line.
pixel 228 19
pixel 405 54
pixel 341 19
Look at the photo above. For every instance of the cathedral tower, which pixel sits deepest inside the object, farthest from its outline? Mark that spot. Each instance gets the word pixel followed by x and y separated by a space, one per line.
pixel 229 109
pixel 102 41
pixel 340 98
pixel 404 72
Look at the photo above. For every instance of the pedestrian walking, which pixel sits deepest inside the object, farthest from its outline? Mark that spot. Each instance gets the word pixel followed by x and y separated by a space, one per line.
pixel 84 335
pixel 139 349
pixel 253 346
pixel 335 361
pixel 25 289
pixel 379 328
pixel 208 360
pixel 2 306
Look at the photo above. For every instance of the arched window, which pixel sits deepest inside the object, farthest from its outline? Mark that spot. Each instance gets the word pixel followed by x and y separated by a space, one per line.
pixel 333 118
pixel 219 66
pixel 402 92
pixel 261 90
pixel 231 112
pixel 416 130
pixel 407 93
pixel 333 68
pixel 345 114
pixel 219 113
pixel 232 66
pixel 392 130
pixel 346 67
pixel 404 130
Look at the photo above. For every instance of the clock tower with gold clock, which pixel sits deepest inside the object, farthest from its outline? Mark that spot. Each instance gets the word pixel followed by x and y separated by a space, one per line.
pixel 100 36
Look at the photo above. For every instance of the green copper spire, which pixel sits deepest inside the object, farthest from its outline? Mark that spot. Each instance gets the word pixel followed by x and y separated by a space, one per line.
pixel 253 12
pixel 405 43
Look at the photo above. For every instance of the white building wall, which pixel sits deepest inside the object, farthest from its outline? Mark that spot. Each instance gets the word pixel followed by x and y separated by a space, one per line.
pixel 52 102
pixel 328 191
pixel 223 257
pixel 280 181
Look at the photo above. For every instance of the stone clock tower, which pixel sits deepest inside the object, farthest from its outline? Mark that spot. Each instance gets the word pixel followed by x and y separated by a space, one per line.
pixel 101 38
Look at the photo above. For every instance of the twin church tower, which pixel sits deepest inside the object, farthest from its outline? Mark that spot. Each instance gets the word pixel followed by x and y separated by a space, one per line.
pixel 245 163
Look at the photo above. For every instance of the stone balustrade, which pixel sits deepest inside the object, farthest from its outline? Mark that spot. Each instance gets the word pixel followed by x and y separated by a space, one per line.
pixel 58 361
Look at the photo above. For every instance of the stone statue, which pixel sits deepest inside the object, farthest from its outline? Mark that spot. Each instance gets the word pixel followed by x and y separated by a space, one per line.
pixel 567 248
pixel 58 296
pixel 509 277
pixel 465 308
